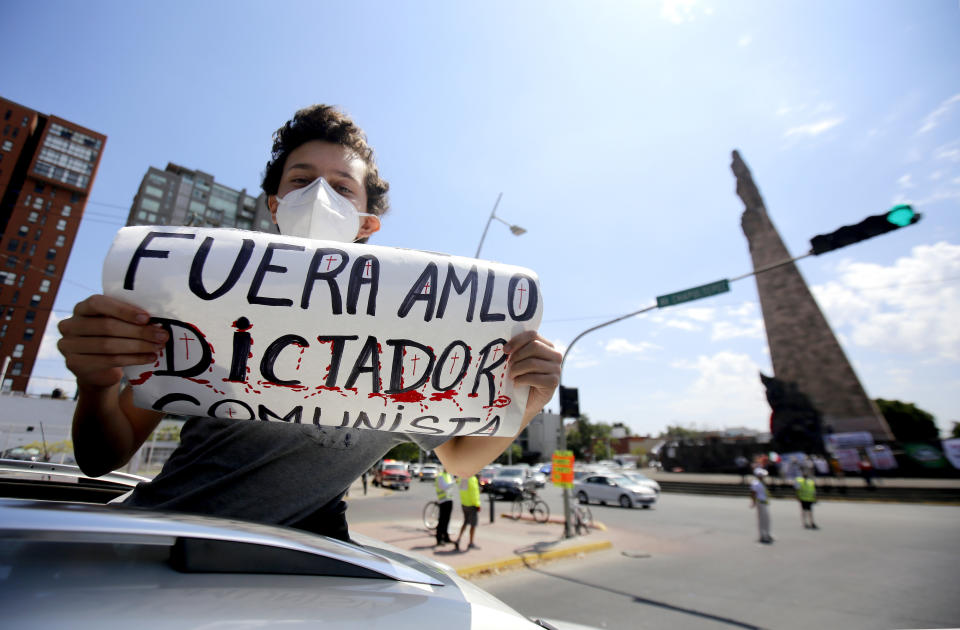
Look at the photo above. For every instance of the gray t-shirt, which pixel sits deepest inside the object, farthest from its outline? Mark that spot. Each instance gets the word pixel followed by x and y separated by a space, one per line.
pixel 269 472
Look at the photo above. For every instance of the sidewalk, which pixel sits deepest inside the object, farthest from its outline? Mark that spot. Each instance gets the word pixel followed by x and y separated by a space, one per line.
pixel 502 545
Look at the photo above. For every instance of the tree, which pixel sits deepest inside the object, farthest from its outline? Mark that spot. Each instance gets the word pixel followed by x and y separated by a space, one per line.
pixel 511 455
pixel 406 452
pixel 908 422
pixel 956 430
pixel 679 432
pixel 589 441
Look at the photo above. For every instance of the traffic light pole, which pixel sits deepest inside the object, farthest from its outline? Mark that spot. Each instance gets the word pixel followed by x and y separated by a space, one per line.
pixel 567 521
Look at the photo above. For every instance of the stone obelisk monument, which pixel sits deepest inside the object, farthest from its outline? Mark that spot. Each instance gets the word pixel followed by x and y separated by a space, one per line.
pixel 806 355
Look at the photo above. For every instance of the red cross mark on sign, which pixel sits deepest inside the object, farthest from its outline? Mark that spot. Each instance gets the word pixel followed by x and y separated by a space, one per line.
pixel 230 411
pixel 366 269
pixel 415 359
pixel 496 351
pixel 455 358
pixel 329 260
pixel 426 287
pixel 521 291
pixel 186 343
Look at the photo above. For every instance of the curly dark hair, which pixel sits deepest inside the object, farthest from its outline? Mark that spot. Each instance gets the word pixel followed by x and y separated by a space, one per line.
pixel 327 123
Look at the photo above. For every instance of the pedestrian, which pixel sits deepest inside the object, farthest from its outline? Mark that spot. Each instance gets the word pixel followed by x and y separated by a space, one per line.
pixel 866 471
pixel 444 485
pixel 807 495
pixel 743 467
pixel 470 503
pixel 758 500
pixel 269 472
pixel 363 480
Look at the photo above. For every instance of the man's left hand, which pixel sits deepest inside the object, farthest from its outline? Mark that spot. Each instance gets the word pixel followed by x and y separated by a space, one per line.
pixel 533 361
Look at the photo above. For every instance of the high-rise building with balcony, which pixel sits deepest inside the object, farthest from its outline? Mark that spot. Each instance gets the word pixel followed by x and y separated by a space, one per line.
pixel 180 196
pixel 47 167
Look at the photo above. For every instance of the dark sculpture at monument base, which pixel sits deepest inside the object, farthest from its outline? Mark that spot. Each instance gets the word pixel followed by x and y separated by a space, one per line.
pixel 796 425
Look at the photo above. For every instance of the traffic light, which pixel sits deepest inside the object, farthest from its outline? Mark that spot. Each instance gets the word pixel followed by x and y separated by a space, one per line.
pixel 896 218
pixel 569 402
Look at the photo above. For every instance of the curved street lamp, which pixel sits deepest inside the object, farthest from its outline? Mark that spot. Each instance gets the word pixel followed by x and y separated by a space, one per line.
pixel 515 229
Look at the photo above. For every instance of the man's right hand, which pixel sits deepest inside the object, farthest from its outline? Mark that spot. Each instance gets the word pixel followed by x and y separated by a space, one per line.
pixel 105 335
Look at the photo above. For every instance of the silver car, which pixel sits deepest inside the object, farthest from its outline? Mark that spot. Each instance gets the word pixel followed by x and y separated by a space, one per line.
pixel 99 566
pixel 613 488
pixel 643 480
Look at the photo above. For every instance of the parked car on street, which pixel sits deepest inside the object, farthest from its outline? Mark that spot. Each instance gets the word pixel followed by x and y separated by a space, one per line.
pixel 101 566
pixel 613 488
pixel 392 474
pixel 485 477
pixel 510 483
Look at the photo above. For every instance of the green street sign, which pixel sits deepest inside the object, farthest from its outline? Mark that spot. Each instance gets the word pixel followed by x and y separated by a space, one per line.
pixel 706 290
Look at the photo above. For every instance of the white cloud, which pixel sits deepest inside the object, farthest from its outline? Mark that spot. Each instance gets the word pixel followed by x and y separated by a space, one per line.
pixel 622 346
pixel 949 152
pixel 682 325
pixel 727 391
pixel 814 128
pixel 905 181
pixel 936 175
pixel 910 308
pixel 577 359
pixel 680 11
pixel 931 120
pixel 699 314
pixel 750 329
pixel 744 310
pixel 744 41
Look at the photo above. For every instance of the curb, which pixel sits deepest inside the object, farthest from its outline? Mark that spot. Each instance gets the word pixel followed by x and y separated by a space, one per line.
pixel 528 559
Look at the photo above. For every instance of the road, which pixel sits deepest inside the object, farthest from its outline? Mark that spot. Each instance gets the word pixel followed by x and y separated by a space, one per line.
pixel 692 562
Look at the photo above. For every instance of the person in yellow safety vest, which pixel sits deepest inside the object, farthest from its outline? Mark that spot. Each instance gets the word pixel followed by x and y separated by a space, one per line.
pixel 807 495
pixel 470 502
pixel 444 485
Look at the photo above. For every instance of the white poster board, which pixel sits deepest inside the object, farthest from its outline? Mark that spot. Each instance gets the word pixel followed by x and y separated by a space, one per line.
pixel 848 458
pixel 951 450
pixel 279 328
pixel 882 457
pixel 854 439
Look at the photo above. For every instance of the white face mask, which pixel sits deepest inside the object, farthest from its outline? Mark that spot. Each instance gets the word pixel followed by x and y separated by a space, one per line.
pixel 317 211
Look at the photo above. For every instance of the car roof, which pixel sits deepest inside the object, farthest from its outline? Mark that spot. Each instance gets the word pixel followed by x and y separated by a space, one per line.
pixel 203 541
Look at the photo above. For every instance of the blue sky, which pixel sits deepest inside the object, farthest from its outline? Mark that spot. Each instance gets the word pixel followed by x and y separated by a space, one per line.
pixel 608 128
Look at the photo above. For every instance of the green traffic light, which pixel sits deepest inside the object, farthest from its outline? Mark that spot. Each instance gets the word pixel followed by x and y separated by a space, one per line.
pixel 901 215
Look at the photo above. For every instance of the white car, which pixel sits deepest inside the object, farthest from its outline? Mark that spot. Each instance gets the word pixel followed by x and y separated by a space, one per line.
pixel 100 567
pixel 613 488
pixel 429 472
pixel 643 480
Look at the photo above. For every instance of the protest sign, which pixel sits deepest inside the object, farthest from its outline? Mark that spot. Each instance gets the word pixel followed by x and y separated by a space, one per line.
pixel 278 328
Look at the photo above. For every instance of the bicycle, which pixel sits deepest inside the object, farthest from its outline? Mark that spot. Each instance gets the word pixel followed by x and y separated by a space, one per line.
pixel 431 515
pixel 582 520
pixel 529 502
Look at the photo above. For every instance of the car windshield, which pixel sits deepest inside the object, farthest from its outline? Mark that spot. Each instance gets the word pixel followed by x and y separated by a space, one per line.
pixel 510 473
pixel 394 467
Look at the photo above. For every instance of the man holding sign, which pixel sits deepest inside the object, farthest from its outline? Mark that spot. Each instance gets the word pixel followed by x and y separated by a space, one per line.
pixel 316 390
